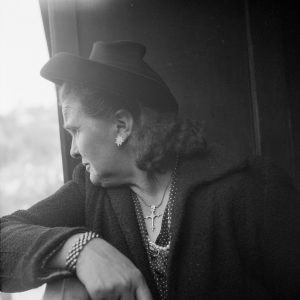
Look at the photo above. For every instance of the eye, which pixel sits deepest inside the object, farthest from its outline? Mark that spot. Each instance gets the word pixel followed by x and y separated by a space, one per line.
pixel 75 132
pixel 72 130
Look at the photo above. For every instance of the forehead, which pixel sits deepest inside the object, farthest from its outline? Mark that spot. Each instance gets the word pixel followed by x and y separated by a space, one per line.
pixel 71 110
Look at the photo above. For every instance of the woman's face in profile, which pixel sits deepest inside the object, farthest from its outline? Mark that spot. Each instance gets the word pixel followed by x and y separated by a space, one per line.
pixel 93 140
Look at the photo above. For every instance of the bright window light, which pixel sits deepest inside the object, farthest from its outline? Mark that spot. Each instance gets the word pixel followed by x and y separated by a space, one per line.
pixel 30 166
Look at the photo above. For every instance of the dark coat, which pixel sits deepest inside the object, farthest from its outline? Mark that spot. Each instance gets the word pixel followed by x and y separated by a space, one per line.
pixel 236 229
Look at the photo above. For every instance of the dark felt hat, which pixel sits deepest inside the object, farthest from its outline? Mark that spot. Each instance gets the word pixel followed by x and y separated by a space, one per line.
pixel 116 67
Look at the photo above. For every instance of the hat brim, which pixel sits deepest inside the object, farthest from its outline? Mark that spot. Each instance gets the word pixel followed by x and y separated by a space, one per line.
pixel 66 67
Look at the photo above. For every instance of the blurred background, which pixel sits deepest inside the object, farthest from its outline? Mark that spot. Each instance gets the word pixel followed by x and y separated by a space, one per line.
pixel 30 165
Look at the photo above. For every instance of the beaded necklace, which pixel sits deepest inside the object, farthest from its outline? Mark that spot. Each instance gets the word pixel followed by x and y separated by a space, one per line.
pixel 158 254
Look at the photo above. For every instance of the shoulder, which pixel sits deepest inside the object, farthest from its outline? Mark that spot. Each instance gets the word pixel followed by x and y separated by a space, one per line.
pixel 263 173
pixel 235 174
pixel 268 171
pixel 261 192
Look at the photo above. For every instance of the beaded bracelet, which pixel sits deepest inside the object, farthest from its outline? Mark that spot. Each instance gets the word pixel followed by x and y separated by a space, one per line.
pixel 74 252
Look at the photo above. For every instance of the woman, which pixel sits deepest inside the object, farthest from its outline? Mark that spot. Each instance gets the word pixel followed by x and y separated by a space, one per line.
pixel 151 213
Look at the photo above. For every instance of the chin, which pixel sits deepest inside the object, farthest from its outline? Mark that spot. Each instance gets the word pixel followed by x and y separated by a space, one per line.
pixel 95 181
pixel 102 181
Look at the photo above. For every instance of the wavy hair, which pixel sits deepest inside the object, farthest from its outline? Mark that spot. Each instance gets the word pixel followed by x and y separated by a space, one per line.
pixel 157 137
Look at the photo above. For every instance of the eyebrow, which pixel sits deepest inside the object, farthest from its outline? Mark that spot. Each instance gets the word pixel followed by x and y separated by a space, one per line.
pixel 65 113
pixel 66 110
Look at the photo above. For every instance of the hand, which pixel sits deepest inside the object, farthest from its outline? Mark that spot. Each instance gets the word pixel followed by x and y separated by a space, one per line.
pixel 108 274
pixel 66 289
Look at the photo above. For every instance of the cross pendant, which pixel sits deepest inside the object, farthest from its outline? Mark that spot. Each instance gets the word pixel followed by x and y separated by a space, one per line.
pixel 153 216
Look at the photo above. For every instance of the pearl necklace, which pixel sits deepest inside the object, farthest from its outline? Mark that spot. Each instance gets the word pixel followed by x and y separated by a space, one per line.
pixel 156 252
pixel 155 249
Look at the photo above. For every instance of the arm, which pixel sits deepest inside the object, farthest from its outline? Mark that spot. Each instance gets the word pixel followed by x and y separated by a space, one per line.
pixel 28 236
pixel 103 273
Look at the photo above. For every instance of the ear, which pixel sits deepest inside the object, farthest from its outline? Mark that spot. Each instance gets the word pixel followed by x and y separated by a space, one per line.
pixel 124 123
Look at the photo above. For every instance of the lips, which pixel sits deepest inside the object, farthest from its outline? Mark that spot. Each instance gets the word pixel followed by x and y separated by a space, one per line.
pixel 87 166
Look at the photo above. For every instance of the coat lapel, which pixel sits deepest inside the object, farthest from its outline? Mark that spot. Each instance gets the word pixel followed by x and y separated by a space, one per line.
pixel 123 207
pixel 210 166
pixel 214 164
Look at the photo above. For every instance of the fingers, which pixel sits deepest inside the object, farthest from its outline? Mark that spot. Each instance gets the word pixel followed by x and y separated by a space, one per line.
pixel 112 292
pixel 143 292
pixel 136 291
pixel 74 290
pixel 108 274
pixel 66 289
pixel 128 295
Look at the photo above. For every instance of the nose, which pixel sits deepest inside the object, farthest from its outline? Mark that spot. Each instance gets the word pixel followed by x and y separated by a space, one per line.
pixel 74 150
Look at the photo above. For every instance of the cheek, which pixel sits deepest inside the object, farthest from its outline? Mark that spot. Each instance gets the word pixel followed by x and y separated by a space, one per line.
pixel 88 147
pixel 95 147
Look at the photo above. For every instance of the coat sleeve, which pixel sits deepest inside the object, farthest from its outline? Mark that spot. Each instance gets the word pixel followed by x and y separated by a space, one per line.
pixel 29 236
pixel 280 239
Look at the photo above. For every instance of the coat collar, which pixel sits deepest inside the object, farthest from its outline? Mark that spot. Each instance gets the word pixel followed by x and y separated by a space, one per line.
pixel 216 163
pixel 123 206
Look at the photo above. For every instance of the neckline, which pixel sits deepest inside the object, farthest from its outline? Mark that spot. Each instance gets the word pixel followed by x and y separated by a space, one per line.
pixel 164 230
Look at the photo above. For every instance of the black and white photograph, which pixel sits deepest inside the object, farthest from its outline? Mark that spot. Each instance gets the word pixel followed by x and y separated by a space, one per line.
pixel 149 150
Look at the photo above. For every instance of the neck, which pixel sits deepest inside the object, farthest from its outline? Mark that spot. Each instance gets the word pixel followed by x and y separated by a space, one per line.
pixel 151 188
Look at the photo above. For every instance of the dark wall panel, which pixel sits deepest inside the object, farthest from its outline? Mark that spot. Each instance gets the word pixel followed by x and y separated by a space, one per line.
pixel 291 28
pixel 230 64
pixel 270 73
pixel 199 48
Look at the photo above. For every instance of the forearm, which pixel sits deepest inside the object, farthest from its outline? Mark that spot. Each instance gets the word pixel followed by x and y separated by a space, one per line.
pixel 29 236
pixel 23 250
pixel 59 259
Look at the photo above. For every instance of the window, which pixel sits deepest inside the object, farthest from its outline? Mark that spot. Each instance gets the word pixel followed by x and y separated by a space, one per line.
pixel 30 166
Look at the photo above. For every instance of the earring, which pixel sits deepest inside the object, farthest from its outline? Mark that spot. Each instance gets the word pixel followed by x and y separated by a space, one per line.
pixel 119 140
